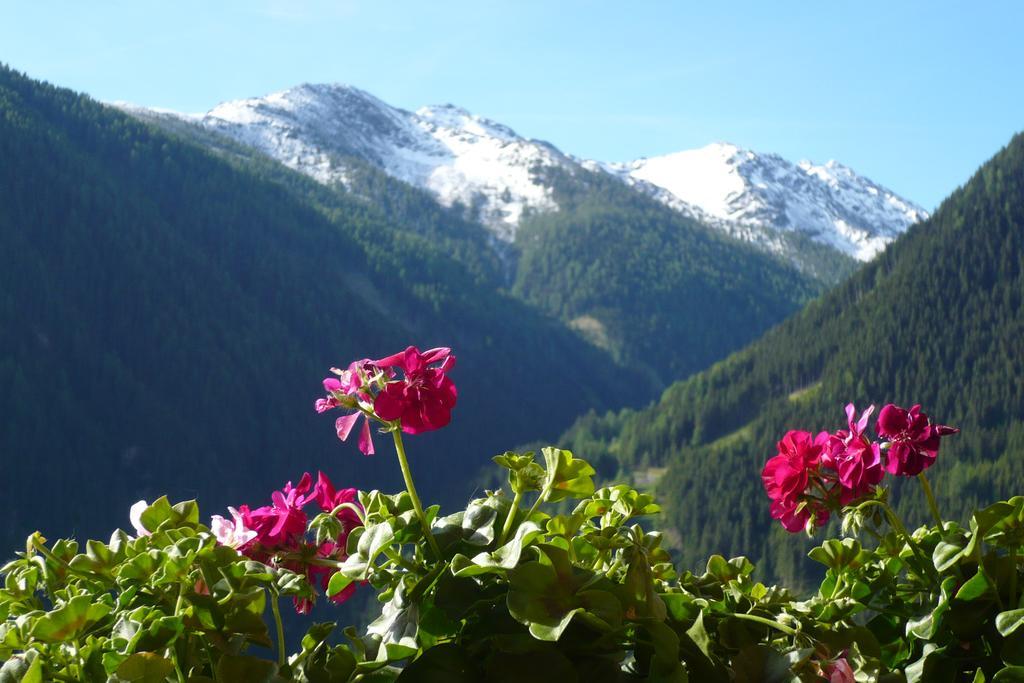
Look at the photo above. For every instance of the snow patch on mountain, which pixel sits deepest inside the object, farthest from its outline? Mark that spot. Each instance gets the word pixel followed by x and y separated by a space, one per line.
pixel 498 175
pixel 457 156
pixel 752 195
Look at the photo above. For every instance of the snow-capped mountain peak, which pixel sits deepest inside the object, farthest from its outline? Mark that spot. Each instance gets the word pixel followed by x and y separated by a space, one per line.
pixel 458 156
pixel 752 195
pixel 491 170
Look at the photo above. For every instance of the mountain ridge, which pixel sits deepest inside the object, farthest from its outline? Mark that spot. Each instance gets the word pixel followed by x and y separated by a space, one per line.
pixel 754 195
pixel 492 171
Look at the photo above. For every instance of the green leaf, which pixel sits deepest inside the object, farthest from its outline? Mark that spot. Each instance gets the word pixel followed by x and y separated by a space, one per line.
pixel 934 666
pixel 69 620
pixel 162 515
pixel 245 668
pixel 546 596
pixel 524 474
pixel 976 587
pixel 762 664
pixel 665 666
pixel 445 663
pixel 947 554
pixel 478 523
pixel 538 599
pixel 699 635
pixel 1011 674
pixel 927 626
pixel 1008 529
pixel 397 626
pixel 1009 621
pixel 23 668
pixel 338 583
pixel 839 554
pixel 1012 650
pixel 370 544
pixel 145 667
pixel 726 571
pixel 566 476
pixel 504 558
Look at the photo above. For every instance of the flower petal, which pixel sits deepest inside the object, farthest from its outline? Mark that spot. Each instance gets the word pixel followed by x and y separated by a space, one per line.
pixel 891 421
pixel 343 425
pixel 135 516
pixel 365 440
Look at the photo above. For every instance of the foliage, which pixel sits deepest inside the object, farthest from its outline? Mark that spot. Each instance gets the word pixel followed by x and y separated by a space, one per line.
pixel 573 587
pixel 588 593
pixel 507 592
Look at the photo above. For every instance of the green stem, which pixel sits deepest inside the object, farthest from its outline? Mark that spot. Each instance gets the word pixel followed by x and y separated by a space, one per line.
pixel 355 508
pixel 614 568
pixel 282 656
pixel 396 558
pixel 835 588
pixel 45 552
pixel 901 531
pixel 411 488
pixel 536 504
pixel 511 517
pixel 213 667
pixel 174 646
pixel 767 622
pixel 316 561
pixel 926 485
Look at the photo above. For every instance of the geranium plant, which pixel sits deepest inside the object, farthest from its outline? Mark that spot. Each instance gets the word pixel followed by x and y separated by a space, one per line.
pixel 557 578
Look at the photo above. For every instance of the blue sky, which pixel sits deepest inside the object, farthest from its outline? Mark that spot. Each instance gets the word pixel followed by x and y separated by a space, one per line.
pixel 914 95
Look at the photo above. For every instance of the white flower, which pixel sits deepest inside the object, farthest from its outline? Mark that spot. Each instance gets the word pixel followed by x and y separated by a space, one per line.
pixel 135 515
pixel 231 533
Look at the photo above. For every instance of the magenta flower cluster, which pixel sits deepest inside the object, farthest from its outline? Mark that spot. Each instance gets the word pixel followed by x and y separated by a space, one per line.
pixel 812 475
pixel 420 400
pixel 276 535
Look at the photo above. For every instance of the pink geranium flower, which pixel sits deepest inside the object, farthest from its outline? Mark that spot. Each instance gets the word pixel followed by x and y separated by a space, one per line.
pixel 786 478
pixel 839 671
pixel 795 516
pixel 855 458
pixel 328 498
pixel 320 576
pixel 276 534
pixel 345 391
pixel 423 399
pixel 282 524
pixel 786 475
pixel 913 440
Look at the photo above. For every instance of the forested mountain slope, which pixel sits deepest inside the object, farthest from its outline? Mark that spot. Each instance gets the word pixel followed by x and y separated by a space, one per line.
pixel 666 294
pixel 166 316
pixel 619 266
pixel 938 319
